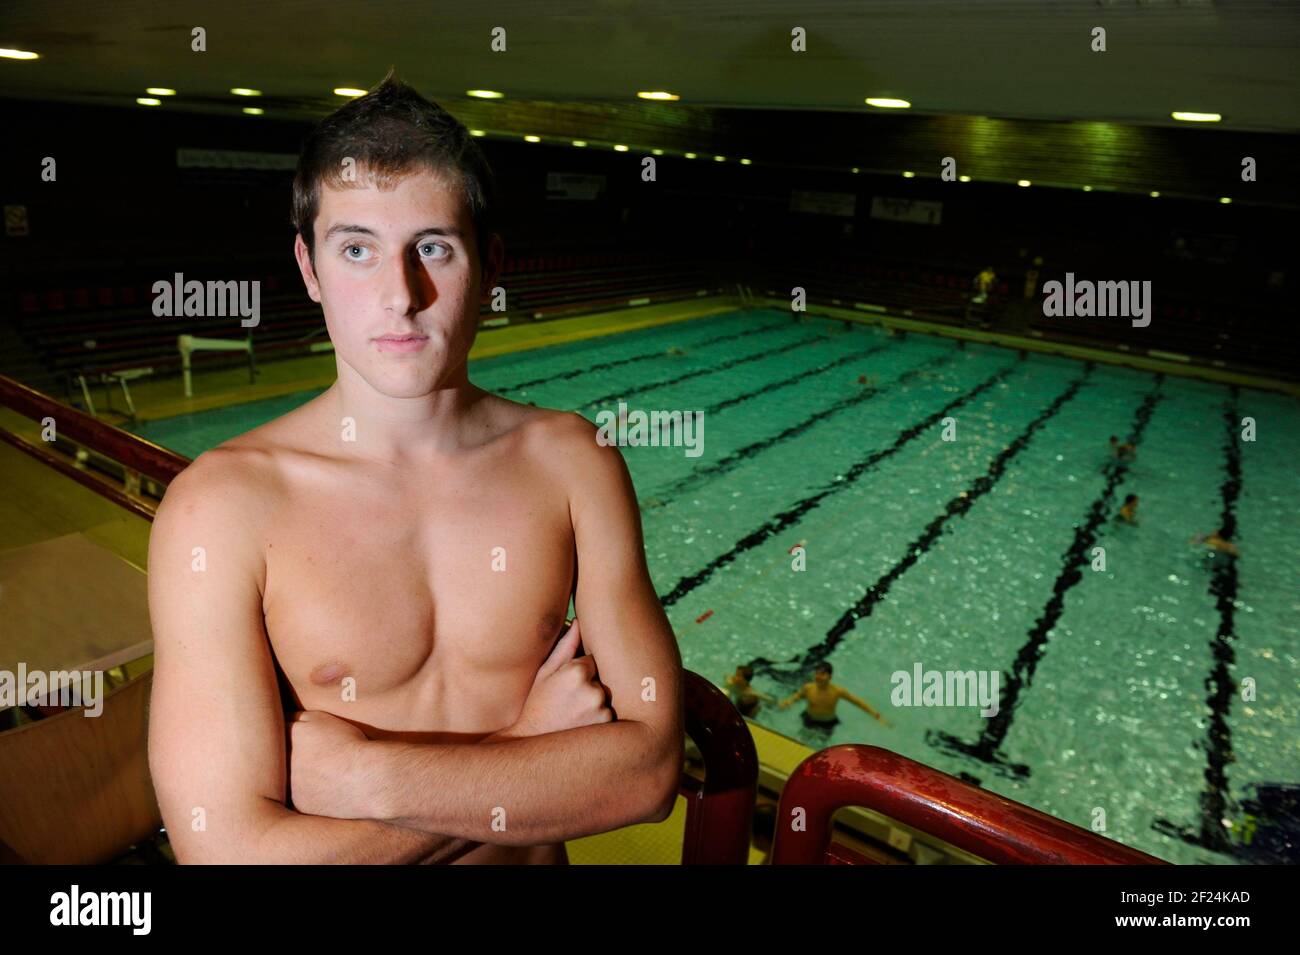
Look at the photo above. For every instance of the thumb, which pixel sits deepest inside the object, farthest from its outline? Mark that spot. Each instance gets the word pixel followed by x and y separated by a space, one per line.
pixel 564 650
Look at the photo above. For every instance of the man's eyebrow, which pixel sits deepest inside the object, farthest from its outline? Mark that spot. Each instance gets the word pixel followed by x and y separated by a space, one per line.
pixel 345 228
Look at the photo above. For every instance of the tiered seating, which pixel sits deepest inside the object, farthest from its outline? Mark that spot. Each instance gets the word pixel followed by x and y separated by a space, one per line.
pixel 903 288
pixel 1184 326
pixel 96 328
pixel 551 286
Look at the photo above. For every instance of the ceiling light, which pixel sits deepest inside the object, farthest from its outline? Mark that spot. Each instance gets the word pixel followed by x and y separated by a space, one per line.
pixel 484 94
pixel 885 102
pixel 1196 117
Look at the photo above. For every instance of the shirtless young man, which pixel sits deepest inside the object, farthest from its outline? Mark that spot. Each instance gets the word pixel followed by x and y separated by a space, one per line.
pixel 822 696
pixel 402 549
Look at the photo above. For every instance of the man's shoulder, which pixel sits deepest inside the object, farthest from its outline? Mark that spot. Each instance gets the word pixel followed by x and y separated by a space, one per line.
pixel 552 429
pixel 253 464
pixel 234 480
pixel 569 442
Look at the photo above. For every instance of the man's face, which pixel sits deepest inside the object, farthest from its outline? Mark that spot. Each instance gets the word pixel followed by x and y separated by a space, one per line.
pixel 398 277
pixel 822 677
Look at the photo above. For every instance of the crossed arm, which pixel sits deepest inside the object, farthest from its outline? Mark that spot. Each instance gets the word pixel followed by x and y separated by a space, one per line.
pixel 217 741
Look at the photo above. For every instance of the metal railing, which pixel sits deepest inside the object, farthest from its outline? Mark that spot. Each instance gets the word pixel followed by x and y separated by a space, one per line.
pixel 137 457
pixel 975 820
pixel 719 814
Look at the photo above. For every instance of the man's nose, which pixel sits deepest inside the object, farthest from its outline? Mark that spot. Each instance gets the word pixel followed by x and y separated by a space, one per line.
pixel 407 287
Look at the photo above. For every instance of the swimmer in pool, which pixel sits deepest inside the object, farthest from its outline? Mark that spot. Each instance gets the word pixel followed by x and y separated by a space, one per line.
pixel 674 350
pixel 746 699
pixel 1217 541
pixel 1128 513
pixel 1122 450
pixel 822 696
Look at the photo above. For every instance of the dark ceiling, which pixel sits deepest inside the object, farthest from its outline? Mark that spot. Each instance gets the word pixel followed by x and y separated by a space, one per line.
pixel 1028 59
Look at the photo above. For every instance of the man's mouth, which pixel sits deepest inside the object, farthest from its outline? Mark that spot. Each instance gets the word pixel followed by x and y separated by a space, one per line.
pixel 401 343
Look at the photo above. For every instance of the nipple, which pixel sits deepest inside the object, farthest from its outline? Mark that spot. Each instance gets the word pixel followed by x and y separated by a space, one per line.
pixel 328 673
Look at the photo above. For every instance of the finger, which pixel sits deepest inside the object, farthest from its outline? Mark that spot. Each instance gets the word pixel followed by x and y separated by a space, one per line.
pixel 564 650
pixel 586 665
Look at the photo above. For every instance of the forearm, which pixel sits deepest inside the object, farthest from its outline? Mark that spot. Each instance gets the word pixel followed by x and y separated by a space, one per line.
pixel 525 791
pixel 864 705
pixel 271 834
pixel 293 837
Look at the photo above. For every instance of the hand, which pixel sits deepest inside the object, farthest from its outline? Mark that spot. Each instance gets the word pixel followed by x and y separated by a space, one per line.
pixel 566 693
pixel 322 749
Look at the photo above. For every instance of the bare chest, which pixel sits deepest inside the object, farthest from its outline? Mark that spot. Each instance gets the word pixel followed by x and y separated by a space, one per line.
pixel 417 611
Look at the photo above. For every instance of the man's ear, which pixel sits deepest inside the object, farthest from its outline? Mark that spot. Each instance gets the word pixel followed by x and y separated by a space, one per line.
pixel 491 266
pixel 306 267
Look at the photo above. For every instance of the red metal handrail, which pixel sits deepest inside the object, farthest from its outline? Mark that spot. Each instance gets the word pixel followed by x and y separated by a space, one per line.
pixel 972 819
pixel 131 451
pixel 719 815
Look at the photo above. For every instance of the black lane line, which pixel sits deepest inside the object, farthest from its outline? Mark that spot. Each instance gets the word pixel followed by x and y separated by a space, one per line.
pixel 646 356
pixel 987 747
pixel 767 389
pixel 710 370
pixel 730 461
pixel 1219 684
pixel 795 513
pixel 956 507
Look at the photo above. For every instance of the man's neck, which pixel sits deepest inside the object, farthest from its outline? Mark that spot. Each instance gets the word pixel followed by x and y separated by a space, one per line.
pixel 385 428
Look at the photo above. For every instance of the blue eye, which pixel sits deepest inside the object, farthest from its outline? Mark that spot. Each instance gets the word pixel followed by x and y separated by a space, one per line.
pixel 351 258
pixel 434 245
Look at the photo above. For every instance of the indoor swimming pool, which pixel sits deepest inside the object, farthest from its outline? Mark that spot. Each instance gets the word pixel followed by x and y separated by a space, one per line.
pixel 895 504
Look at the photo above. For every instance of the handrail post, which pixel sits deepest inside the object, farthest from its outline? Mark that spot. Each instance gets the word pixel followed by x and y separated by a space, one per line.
pixel 719 816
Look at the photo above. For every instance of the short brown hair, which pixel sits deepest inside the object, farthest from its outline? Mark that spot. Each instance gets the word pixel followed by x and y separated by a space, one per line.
pixel 389 133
